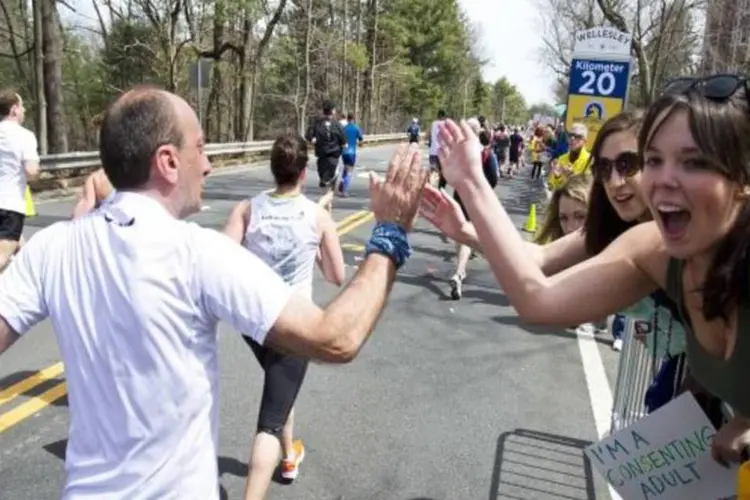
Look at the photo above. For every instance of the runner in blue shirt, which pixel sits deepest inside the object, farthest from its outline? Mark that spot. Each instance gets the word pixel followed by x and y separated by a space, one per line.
pixel 413 131
pixel 354 137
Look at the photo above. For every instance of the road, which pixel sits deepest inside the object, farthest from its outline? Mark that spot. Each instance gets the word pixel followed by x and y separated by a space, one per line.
pixel 454 400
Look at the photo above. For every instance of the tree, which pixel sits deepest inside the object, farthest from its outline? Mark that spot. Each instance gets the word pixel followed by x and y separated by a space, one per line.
pixel 543 109
pixel 273 62
pixel 508 105
pixel 560 20
pixel 665 39
pixel 665 36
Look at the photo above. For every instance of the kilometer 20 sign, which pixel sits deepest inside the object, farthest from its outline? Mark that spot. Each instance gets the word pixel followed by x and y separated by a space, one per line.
pixel 597 92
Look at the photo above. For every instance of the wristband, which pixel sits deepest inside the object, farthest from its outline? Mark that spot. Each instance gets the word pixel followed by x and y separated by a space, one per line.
pixel 389 239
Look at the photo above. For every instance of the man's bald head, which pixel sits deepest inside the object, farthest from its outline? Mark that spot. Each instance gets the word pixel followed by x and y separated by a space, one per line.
pixel 134 127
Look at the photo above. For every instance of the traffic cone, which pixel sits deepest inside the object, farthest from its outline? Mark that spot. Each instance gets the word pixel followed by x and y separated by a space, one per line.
pixel 30 210
pixel 531 220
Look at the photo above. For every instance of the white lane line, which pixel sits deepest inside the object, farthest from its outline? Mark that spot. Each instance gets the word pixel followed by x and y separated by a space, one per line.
pixel 597 383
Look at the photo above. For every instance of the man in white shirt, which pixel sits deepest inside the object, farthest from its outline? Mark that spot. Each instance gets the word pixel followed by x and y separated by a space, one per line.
pixel 135 295
pixel 19 159
pixel 434 144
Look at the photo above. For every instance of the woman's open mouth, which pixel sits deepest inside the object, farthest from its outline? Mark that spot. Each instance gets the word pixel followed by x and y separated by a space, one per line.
pixel 623 198
pixel 674 220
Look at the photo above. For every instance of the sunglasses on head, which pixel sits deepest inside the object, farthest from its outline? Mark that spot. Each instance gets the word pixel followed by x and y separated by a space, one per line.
pixel 714 87
pixel 627 164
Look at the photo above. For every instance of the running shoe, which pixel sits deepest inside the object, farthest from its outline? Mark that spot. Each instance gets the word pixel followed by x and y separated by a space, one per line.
pixel 456 283
pixel 290 468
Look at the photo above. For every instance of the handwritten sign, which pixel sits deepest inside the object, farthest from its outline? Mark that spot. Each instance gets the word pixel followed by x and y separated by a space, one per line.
pixel 665 456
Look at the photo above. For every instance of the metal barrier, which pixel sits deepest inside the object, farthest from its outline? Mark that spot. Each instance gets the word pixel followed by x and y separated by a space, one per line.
pixel 90 159
pixel 635 372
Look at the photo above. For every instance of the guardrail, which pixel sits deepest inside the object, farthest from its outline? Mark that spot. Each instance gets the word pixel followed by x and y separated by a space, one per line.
pixel 90 159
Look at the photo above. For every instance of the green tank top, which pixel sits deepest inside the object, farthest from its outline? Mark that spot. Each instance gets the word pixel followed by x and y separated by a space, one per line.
pixel 726 379
pixel 665 334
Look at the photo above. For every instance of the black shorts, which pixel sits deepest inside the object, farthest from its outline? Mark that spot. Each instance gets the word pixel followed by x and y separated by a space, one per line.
pixel 461 204
pixel 435 163
pixel 283 379
pixel 328 167
pixel 11 225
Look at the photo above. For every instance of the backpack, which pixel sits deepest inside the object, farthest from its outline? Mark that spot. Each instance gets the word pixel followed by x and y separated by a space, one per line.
pixel 413 131
pixel 329 138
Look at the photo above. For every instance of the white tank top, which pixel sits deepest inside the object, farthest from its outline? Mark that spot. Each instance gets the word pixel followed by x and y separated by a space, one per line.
pixel 283 232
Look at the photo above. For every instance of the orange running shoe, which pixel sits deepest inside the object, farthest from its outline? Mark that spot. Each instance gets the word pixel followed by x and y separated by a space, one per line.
pixel 290 468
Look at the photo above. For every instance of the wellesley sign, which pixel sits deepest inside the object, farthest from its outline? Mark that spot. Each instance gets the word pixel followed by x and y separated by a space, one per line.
pixel 603 40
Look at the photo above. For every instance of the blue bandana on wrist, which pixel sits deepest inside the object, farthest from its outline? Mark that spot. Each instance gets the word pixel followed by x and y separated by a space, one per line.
pixel 388 238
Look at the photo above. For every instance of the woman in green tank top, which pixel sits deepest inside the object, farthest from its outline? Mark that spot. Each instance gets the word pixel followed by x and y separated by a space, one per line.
pixel 695 147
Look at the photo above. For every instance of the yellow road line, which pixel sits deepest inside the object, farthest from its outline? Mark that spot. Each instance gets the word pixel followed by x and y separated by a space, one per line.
pixel 34 405
pixel 355 223
pixel 25 410
pixel 15 390
pixel 353 247
pixel 352 218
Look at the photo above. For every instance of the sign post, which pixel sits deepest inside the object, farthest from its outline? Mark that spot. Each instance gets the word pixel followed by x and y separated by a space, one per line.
pixel 200 72
pixel 599 78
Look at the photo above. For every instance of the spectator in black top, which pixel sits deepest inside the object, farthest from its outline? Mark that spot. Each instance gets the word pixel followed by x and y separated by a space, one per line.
pixel 329 140
pixel 516 148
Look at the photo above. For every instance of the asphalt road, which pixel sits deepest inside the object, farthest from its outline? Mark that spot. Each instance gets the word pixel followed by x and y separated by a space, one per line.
pixel 454 400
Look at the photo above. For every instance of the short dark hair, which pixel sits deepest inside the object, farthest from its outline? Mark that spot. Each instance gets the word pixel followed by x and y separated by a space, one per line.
pixel 8 99
pixel 441 113
pixel 603 225
pixel 133 128
pixel 288 158
pixel 328 107
pixel 350 117
pixel 484 138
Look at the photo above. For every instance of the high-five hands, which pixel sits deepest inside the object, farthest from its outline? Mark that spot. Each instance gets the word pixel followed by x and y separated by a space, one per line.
pixel 460 153
pixel 396 198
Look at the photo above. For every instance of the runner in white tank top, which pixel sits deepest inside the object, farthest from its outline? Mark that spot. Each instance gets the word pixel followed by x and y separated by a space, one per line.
pixel 283 232
pixel 290 233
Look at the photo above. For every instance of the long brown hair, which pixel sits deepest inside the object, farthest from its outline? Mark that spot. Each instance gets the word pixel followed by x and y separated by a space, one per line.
pixel 603 225
pixel 577 188
pixel 721 131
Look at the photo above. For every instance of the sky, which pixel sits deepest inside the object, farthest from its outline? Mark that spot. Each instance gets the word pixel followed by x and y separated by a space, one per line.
pixel 510 40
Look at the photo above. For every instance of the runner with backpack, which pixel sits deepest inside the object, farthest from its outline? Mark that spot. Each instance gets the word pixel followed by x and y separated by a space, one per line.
pixel 329 139
pixel 413 131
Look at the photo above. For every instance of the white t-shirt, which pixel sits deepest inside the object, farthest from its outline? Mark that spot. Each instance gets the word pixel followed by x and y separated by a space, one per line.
pixel 435 138
pixel 17 146
pixel 134 297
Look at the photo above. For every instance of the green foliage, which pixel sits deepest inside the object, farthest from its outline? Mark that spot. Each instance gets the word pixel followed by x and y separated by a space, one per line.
pixel 424 60
pixel 128 55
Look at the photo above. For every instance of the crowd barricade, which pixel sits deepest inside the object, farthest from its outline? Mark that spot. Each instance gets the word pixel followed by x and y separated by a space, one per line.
pixel 635 373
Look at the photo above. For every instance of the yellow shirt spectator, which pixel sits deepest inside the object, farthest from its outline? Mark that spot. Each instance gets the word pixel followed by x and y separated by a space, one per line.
pixel 537 147
pixel 564 169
